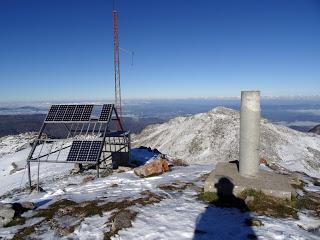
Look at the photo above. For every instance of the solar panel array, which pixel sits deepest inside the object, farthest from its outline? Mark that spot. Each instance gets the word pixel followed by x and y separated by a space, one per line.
pixel 84 151
pixel 67 113
pixel 106 112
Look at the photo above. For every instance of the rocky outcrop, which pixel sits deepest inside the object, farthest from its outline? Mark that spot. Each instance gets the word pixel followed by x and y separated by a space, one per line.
pixel 315 129
pixel 153 168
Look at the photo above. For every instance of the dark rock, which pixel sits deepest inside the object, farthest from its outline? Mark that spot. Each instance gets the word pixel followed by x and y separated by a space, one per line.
pixel 315 129
pixel 122 220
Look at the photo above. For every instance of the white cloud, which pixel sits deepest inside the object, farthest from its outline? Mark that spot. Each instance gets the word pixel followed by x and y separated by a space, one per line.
pixel 299 123
pixel 310 111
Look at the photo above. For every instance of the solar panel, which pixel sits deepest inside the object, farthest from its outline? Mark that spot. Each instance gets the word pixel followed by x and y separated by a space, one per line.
pixel 106 112
pixel 94 151
pixel 73 153
pixel 52 113
pixel 84 151
pixel 60 114
pixel 69 113
pixel 87 113
pixel 78 113
pixel 66 113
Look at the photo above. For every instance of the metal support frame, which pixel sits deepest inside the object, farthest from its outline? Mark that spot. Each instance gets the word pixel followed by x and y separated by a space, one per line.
pixel 91 130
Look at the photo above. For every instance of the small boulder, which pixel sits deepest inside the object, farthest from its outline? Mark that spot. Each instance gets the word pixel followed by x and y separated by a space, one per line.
pixel 122 220
pixel 7 214
pixel 153 168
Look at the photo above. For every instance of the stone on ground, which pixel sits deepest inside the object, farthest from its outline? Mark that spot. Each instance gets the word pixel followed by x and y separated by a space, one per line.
pixel 122 220
pixel 153 168
pixel 6 214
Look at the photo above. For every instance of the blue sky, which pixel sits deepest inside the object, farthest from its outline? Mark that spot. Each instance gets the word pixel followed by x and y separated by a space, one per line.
pixel 62 49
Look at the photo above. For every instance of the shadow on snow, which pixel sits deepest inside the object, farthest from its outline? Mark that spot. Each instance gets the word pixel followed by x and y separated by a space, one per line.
pixel 225 217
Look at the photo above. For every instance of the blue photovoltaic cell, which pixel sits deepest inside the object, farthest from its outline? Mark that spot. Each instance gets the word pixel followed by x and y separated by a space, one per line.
pixel 73 153
pixel 86 113
pixel 84 151
pixel 69 113
pixel 60 114
pixel 52 112
pixel 78 113
pixel 95 151
pixel 106 112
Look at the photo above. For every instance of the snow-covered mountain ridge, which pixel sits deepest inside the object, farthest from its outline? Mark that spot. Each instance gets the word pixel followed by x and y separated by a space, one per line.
pixel 178 213
pixel 214 136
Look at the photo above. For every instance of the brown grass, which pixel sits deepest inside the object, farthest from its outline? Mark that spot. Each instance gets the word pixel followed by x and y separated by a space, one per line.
pixel 66 207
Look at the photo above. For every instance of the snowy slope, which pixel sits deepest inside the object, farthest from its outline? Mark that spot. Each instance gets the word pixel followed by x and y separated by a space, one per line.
pixel 14 150
pixel 178 216
pixel 214 136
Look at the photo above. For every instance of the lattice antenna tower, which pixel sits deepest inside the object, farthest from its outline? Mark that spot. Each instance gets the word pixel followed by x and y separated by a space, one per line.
pixel 116 55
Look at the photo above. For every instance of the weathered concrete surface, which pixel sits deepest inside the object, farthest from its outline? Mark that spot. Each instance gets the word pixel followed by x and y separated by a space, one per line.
pixel 249 133
pixel 270 183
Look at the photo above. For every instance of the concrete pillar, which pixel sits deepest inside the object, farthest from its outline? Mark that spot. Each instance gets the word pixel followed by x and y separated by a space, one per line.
pixel 249 133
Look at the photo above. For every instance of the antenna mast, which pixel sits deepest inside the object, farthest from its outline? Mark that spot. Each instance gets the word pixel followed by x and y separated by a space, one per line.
pixel 116 55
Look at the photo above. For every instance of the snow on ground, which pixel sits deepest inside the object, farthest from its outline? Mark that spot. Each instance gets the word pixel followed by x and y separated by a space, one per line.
pixel 214 136
pixel 182 217
pixel 179 215
pixel 18 179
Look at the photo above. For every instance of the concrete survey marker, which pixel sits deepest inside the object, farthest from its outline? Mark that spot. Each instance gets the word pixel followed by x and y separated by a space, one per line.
pixel 270 183
pixel 246 175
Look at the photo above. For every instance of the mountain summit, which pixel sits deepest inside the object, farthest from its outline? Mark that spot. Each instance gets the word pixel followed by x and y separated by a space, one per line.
pixel 214 136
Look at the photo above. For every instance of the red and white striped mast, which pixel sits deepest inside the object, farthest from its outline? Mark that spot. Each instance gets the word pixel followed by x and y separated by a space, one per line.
pixel 116 56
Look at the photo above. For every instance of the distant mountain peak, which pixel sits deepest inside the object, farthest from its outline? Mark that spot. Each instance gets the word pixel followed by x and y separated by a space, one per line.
pixel 214 137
